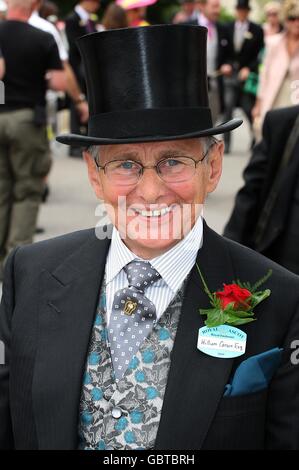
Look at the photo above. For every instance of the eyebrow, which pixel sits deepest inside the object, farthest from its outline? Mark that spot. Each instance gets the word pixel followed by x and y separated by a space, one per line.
pixel 125 156
pixel 161 155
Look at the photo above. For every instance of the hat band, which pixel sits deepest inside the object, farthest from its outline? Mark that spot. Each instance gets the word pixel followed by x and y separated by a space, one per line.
pixel 152 122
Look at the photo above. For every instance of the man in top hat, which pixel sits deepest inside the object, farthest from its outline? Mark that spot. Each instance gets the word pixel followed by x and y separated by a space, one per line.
pixel 247 38
pixel 105 344
pixel 219 52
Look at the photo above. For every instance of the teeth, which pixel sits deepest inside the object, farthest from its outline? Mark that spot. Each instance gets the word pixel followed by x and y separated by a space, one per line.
pixel 154 213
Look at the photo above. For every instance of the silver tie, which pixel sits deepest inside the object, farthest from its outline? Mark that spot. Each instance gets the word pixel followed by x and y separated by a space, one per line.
pixel 133 315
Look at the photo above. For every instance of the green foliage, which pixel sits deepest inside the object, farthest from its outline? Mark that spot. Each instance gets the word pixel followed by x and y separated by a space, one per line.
pixel 225 16
pixel 217 316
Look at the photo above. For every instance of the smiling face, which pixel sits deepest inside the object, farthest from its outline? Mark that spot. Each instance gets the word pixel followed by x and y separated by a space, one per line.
pixel 153 215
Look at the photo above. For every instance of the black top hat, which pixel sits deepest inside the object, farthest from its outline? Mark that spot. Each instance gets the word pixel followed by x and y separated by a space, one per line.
pixel 243 5
pixel 146 84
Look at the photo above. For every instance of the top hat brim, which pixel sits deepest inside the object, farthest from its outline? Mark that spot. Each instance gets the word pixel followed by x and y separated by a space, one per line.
pixel 85 141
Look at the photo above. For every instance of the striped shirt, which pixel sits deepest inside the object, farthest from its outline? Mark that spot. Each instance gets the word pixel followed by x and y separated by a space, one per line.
pixel 174 266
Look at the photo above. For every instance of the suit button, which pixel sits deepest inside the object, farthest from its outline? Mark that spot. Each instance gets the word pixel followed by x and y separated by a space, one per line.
pixel 116 413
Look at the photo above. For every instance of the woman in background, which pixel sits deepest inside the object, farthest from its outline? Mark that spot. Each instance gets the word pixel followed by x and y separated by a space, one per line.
pixel 272 24
pixel 136 11
pixel 280 70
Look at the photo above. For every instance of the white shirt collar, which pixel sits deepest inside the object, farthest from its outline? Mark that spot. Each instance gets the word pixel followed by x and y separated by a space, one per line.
pixel 182 255
pixel 84 15
pixel 244 25
pixel 34 14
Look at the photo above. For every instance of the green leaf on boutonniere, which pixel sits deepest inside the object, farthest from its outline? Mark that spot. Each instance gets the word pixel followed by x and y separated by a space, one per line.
pixel 257 297
pixel 214 316
pixel 234 320
pixel 253 289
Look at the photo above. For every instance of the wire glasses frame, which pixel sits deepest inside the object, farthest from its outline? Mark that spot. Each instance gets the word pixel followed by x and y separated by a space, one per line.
pixel 180 169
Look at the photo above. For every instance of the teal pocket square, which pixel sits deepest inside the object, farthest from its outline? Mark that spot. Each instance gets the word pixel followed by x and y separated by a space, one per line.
pixel 255 373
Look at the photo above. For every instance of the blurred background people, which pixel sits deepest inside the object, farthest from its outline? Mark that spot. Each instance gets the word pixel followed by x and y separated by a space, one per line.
pixel 73 88
pixel 248 40
pixel 39 22
pixel 219 52
pixel 49 11
pixel 114 17
pixel 74 92
pixel 2 72
pixel 272 24
pixel 32 64
pixel 3 10
pixel 186 12
pixel 78 23
pixel 280 69
pixel 136 11
pixel 266 211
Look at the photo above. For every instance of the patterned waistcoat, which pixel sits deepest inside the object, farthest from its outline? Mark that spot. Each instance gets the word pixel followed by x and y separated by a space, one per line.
pixel 126 415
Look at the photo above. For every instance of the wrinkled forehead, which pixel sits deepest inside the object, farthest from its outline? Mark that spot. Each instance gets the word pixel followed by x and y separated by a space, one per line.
pixel 151 150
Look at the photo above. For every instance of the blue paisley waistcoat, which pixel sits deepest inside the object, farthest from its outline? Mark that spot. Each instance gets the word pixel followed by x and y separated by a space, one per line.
pixel 137 398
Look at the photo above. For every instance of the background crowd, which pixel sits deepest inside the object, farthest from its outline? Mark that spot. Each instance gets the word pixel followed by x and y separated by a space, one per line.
pixel 251 66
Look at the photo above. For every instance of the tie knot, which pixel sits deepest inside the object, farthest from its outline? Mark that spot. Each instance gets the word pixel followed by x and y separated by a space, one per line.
pixel 141 274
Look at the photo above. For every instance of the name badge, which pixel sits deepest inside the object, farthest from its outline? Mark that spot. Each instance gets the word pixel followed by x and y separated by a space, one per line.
pixel 223 341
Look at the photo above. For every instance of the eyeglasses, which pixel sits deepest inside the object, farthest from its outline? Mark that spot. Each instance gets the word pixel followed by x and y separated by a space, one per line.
pixel 170 170
pixel 292 18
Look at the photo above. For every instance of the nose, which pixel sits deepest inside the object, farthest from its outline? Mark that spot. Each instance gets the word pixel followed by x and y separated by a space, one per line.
pixel 150 186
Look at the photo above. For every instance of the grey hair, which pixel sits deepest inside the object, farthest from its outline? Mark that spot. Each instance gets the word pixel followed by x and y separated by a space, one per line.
pixel 206 143
pixel 94 151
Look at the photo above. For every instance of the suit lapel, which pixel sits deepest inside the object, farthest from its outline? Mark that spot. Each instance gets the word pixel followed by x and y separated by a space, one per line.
pixel 67 305
pixel 68 302
pixel 196 381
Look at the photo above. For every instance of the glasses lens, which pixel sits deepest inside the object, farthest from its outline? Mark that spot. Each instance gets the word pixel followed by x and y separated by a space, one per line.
pixel 176 170
pixel 293 18
pixel 123 172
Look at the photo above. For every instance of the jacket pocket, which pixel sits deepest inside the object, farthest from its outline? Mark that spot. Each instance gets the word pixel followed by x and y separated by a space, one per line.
pixel 239 423
pixel 242 404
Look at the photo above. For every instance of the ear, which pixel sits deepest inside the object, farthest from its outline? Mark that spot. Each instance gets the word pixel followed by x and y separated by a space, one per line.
pixel 215 166
pixel 93 175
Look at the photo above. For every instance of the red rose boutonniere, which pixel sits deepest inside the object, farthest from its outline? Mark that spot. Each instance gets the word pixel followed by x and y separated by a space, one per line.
pixel 235 303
